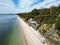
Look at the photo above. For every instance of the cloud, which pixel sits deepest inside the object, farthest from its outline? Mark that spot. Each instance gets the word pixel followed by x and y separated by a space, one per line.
pixel 7 6
pixel 46 4
pixel 16 6
pixel 53 3
pixel 25 3
pixel 36 2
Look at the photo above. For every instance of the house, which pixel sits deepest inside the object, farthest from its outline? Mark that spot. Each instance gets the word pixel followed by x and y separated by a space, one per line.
pixel 33 23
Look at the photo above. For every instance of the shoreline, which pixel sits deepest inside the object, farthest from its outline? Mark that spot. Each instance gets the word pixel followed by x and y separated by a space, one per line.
pixel 32 36
pixel 22 34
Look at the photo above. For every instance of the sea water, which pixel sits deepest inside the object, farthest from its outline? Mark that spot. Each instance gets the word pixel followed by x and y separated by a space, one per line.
pixel 10 33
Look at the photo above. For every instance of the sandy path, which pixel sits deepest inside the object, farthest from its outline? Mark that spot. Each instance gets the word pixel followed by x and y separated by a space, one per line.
pixel 32 36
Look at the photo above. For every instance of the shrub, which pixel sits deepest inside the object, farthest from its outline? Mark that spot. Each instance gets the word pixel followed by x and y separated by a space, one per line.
pixel 58 25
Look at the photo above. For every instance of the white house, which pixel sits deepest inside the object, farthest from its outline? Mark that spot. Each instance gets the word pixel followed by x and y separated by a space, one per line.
pixel 33 23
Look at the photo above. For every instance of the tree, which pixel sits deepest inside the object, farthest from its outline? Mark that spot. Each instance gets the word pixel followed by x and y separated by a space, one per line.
pixel 58 25
pixel 35 12
pixel 52 10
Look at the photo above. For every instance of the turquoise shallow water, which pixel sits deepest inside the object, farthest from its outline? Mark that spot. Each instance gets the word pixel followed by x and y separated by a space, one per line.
pixel 10 31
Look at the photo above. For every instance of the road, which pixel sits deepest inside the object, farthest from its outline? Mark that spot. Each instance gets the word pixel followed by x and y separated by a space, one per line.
pixel 32 36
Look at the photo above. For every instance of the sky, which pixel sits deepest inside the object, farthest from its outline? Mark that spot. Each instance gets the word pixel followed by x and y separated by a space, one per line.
pixel 20 6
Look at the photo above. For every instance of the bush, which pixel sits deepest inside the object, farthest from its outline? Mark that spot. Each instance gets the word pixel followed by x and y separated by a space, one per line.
pixel 58 25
